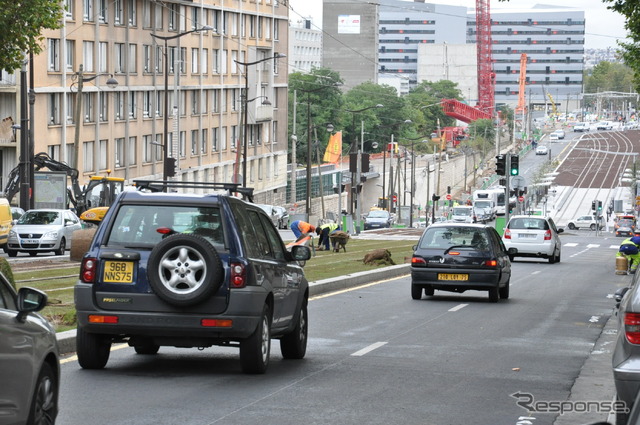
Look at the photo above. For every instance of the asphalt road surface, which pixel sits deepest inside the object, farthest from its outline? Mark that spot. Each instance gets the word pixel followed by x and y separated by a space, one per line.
pixel 376 356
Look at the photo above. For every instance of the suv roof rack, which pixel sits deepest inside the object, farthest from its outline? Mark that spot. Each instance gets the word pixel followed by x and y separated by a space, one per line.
pixel 161 185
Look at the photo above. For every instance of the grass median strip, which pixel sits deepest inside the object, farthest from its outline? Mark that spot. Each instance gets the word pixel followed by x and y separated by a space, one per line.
pixel 58 282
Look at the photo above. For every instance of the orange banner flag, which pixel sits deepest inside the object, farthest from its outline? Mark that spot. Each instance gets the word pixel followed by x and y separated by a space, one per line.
pixel 334 148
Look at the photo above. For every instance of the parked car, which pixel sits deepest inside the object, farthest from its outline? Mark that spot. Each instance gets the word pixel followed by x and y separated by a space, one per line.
pixel 377 219
pixel 604 125
pixel 560 133
pixel 457 257
pixel 533 236
pixel 624 227
pixel 584 221
pixel 43 230
pixel 581 127
pixel 30 365
pixel 482 215
pixel 279 215
pixel 171 269
pixel 542 150
pixel 626 353
pixel 553 137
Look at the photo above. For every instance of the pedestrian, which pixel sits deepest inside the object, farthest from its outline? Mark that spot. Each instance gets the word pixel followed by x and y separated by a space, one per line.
pixel 629 248
pixel 300 228
pixel 323 232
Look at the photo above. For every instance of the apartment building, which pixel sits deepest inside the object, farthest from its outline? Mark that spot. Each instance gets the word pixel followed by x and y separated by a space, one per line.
pixel 305 47
pixel 121 129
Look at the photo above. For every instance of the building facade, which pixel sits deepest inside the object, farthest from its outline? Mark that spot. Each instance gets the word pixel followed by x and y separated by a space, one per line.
pixel 121 129
pixel 305 47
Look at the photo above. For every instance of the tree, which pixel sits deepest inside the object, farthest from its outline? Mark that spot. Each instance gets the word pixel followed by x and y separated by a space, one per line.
pixel 426 99
pixel 22 23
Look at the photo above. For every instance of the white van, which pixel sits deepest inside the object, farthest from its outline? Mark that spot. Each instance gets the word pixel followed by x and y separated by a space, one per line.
pixel 488 205
pixel 495 194
pixel 462 214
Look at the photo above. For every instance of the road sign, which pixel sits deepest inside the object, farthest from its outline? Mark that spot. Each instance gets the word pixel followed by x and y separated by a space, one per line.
pixel 448 197
pixel 521 198
pixel 517 182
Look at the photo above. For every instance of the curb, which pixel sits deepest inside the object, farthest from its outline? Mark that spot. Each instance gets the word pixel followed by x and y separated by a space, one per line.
pixel 67 339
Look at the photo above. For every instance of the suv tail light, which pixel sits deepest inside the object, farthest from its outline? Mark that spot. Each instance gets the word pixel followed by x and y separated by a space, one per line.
pixel 88 270
pixel 418 262
pixel 490 263
pixel 238 275
pixel 632 327
pixel 547 235
pixel 507 233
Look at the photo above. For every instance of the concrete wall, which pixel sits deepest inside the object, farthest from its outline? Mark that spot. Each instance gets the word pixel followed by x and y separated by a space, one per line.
pixel 455 62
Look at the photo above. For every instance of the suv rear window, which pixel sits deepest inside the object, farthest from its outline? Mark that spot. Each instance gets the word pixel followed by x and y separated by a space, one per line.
pixel 136 225
pixel 445 237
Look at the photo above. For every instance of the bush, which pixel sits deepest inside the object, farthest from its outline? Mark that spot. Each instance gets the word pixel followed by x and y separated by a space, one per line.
pixel 5 269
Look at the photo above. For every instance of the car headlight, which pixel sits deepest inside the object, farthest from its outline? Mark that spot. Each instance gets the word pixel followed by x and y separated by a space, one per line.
pixel 12 233
pixel 51 235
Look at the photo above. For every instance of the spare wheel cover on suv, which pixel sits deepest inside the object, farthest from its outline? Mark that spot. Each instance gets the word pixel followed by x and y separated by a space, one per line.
pixel 184 270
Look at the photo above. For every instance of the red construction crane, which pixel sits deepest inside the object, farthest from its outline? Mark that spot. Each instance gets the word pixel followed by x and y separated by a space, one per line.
pixel 486 77
pixel 522 83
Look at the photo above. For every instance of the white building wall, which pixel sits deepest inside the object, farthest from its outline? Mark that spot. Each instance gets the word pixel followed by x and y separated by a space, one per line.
pixel 454 62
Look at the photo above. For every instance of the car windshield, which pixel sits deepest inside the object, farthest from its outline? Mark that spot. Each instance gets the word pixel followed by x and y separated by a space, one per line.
pixel 462 211
pixel 378 214
pixel 40 217
pixel 136 225
pixel 529 223
pixel 446 237
pixel 625 223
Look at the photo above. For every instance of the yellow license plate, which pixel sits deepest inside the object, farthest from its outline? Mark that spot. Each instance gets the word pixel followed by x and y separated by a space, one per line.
pixel 451 276
pixel 118 271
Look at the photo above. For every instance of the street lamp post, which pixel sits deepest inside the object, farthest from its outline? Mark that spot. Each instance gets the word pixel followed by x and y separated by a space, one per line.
pixel 111 82
pixel 358 163
pixel 245 101
pixel 165 116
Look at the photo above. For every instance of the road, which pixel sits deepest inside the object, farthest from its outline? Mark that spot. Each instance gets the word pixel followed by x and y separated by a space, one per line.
pixel 376 356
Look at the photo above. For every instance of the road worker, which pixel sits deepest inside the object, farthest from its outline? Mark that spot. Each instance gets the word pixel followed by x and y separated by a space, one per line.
pixel 324 231
pixel 630 248
pixel 300 228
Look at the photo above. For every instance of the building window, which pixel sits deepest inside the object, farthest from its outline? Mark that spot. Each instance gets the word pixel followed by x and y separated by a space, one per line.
pixel 54 152
pixel 147 149
pixel 183 144
pixel 215 20
pixel 71 101
pixel 276 33
pixel 194 142
pixel 87 55
pixel 87 152
pixel 234 61
pixel 119 105
pixel 195 102
pixel 54 109
pixel 146 14
pixel 133 15
pixel 174 11
pixel 103 17
pixel 215 59
pixel 87 10
pixel 223 139
pixel 132 59
pixel 235 99
pixel 234 136
pixel 158 14
pixel 133 105
pixel 103 158
pixel 119 152
pixel 102 56
pixel 274 137
pixel 103 107
pixel 159 103
pixel 53 54
pixel 183 60
pixel 204 62
pixel 215 101
pixel 159 150
pixel 195 59
pixel 203 141
pixel 159 58
pixel 146 58
pixel 88 107
pixel 146 103
pixel 195 18
pixel 133 148
pixel 118 12
pixel 214 139
pixel 70 54
pixel 120 57
pixel 252 26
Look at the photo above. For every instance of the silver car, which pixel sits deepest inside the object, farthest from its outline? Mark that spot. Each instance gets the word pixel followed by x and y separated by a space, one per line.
pixel 29 358
pixel 626 354
pixel 43 230
pixel 533 236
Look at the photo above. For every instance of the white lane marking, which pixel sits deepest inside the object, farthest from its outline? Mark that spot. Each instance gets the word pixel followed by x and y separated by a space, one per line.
pixel 571 244
pixel 614 246
pixel 536 272
pixel 593 245
pixel 594 319
pixel 368 349
pixel 458 307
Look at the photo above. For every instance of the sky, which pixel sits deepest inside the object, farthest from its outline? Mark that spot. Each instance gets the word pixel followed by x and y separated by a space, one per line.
pixel 604 26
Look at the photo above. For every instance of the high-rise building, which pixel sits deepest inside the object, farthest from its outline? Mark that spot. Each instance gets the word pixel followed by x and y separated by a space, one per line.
pixel 305 47
pixel 121 129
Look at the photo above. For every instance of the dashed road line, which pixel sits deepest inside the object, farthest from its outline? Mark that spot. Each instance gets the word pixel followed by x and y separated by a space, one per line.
pixel 458 307
pixel 368 349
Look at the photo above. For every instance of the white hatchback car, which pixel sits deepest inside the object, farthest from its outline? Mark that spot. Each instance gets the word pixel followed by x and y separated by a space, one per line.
pixel 533 236
pixel 584 222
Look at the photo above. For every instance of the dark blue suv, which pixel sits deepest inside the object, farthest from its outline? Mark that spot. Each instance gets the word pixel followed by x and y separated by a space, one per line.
pixel 184 270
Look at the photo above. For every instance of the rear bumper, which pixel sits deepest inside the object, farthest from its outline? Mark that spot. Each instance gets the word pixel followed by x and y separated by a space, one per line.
pixel 176 326
pixel 479 279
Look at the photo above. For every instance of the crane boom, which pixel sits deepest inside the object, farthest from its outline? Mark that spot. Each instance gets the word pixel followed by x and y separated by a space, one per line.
pixel 522 81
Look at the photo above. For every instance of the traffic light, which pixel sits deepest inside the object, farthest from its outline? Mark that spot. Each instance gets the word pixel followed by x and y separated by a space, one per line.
pixel 501 165
pixel 448 189
pixel 599 205
pixel 515 159
pixel 170 167
pixel 435 197
pixel 593 205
